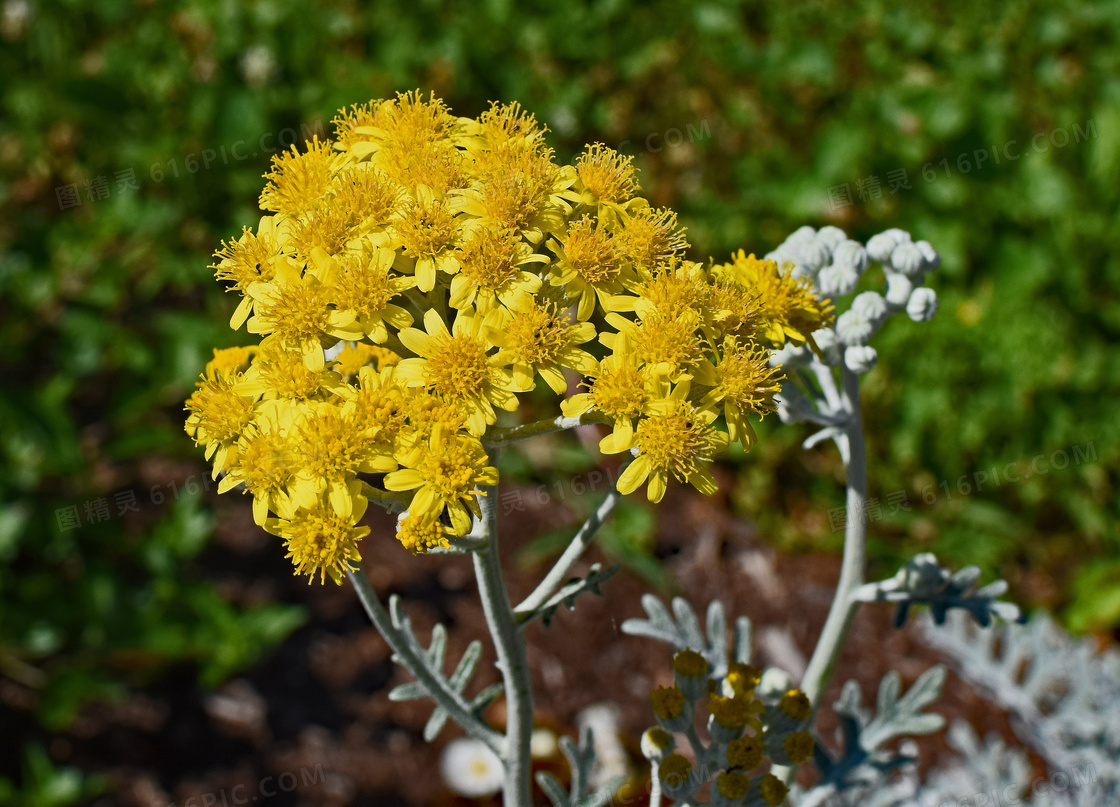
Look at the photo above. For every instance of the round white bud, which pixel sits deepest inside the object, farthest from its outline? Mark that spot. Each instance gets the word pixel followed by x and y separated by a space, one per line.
pixel 922 305
pixel 837 280
pixel 853 328
pixel 881 246
pixel 929 255
pixel 801 235
pixel 850 253
pixel 831 236
pixel 870 305
pixel 908 259
pixel 898 289
pixel 861 358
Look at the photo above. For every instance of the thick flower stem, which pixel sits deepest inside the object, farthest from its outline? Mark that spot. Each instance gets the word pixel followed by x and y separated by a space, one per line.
pixel 844 605
pixel 509 645
pixel 452 702
pixel 501 436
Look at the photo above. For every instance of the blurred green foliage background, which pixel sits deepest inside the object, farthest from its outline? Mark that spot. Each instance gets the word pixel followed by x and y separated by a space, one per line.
pixel 748 118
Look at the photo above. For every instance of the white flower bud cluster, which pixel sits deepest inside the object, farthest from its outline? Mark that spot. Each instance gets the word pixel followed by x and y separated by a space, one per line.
pixel 835 264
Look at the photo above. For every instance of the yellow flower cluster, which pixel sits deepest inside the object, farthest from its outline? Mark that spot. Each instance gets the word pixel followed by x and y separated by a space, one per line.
pixel 458 263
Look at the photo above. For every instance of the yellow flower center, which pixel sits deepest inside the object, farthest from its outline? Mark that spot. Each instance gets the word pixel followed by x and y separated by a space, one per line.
pixel 283 370
pixel 733 785
pixel 742 678
pixel 503 121
pixel 330 228
pixel 246 260
pixel 674 770
pixel 675 294
pixel 676 440
pixel 332 447
pixel 745 752
pixel 609 176
pixel 425 227
pixel 799 746
pixel 731 712
pixel 364 289
pixel 379 410
pixel 419 535
pixel 459 368
pixel 662 339
pixel 516 179
pixel 690 664
pixel 538 335
pixel 591 252
pixel 453 469
pixel 220 414
pixel 773 791
pixel 796 705
pixel 489 257
pixel 265 462
pixel 365 194
pixel 667 702
pixel 297 313
pixel 296 180
pixel 619 392
pixel 746 377
pixel 426 409
pixel 652 237
pixel 322 541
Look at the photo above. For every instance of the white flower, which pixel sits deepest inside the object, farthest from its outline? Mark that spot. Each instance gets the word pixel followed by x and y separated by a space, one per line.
pixel 922 305
pixel 470 768
pixel 861 358
pixel 870 305
pixel 789 356
pixel 898 289
pixel 542 744
pixel 851 253
pixel 854 328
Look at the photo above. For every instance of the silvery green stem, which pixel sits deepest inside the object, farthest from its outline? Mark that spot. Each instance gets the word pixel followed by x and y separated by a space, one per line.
pixel 556 575
pixel 844 605
pixel 655 785
pixel 509 645
pixel 452 702
pixel 501 436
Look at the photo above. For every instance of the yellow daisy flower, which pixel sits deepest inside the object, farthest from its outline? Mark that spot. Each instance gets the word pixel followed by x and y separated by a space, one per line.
pixel 590 266
pixel 675 437
pixel 319 539
pixel 280 372
pixel 744 383
pixel 266 464
pixel 332 450
pixel 622 390
pixel 447 472
pixel 541 340
pixel 248 260
pixel 297 309
pixel 788 307
pixel 490 274
pixel 425 229
pixel 363 286
pixel 456 365
pixel 218 416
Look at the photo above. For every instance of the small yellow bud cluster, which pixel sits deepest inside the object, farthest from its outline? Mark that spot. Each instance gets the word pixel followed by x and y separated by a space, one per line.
pixel 741 728
pixel 422 272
